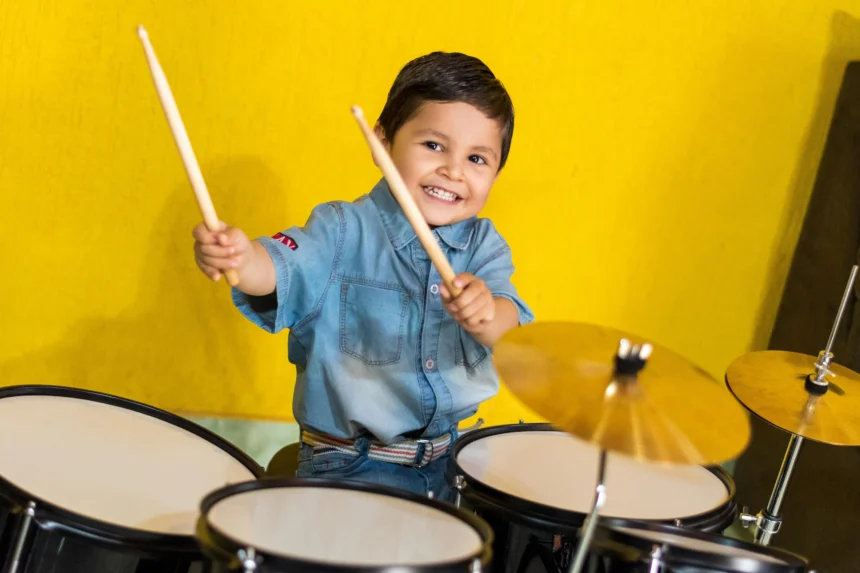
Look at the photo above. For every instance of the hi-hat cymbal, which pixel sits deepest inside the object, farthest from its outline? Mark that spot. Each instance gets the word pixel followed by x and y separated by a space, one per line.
pixel 771 384
pixel 674 412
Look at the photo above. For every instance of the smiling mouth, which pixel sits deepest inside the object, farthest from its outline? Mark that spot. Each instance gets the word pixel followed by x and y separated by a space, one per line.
pixel 441 194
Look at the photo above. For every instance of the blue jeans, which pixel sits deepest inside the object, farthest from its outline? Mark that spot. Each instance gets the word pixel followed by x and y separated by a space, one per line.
pixel 340 466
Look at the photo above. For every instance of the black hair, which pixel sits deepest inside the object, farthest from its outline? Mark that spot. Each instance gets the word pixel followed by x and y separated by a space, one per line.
pixel 448 77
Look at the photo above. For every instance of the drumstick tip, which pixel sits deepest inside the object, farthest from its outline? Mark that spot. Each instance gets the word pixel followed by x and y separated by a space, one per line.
pixel 141 32
pixel 356 111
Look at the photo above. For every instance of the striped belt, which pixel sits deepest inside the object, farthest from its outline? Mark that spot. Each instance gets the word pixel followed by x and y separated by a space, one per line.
pixel 416 453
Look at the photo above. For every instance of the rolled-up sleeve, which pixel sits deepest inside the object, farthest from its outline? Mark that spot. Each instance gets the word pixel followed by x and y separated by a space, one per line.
pixel 305 260
pixel 495 266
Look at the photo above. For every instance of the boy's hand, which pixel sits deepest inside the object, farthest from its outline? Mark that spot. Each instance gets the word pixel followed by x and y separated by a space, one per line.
pixel 217 251
pixel 474 308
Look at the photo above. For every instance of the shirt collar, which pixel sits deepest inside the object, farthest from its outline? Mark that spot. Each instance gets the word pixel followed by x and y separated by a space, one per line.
pixel 400 232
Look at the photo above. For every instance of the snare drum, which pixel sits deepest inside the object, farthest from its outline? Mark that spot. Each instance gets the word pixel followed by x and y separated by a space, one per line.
pixel 534 485
pixel 291 525
pixel 94 483
pixel 623 546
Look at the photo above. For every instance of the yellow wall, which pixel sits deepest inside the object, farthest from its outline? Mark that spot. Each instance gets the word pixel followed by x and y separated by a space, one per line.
pixel 663 155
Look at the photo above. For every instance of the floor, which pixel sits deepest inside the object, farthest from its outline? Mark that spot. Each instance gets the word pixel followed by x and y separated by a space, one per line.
pixel 261 440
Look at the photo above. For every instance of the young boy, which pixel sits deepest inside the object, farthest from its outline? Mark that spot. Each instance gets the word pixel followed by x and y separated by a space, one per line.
pixel 387 361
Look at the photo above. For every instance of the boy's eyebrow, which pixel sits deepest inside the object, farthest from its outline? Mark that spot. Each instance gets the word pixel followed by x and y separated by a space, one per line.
pixel 487 150
pixel 440 135
pixel 434 133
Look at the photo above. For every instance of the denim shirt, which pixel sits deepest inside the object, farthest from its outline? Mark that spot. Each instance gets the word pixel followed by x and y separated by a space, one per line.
pixel 375 351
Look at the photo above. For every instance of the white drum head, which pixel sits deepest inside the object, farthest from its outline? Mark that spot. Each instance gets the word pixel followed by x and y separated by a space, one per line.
pixel 343 527
pixel 111 464
pixel 560 470
pixel 701 545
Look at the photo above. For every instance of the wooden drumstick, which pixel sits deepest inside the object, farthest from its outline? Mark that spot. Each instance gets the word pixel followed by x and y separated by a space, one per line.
pixel 207 209
pixel 407 203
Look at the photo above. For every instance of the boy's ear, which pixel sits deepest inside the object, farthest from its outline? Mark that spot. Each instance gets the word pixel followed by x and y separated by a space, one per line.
pixel 380 133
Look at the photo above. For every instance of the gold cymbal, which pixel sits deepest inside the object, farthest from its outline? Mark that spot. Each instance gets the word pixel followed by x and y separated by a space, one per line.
pixel 771 384
pixel 672 411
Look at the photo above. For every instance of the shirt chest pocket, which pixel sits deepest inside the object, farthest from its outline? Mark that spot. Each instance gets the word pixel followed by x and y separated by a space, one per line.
pixel 469 353
pixel 372 322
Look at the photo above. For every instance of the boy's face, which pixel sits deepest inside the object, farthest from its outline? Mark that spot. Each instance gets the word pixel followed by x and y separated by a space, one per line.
pixel 448 155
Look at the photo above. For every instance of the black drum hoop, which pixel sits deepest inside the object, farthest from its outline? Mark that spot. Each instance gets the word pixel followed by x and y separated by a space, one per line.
pixel 622 532
pixel 530 512
pixel 219 545
pixel 50 516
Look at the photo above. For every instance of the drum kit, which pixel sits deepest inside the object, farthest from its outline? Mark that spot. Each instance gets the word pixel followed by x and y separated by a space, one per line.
pixel 624 479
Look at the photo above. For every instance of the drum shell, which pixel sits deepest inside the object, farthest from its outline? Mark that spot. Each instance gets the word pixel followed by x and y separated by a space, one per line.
pixel 614 550
pixel 54 546
pixel 530 532
pixel 223 551
pixel 62 541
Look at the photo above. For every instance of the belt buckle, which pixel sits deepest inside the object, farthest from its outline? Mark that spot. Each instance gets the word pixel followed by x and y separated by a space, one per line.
pixel 424 453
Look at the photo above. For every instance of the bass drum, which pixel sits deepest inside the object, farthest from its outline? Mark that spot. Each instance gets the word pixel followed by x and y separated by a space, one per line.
pixel 534 485
pixel 95 483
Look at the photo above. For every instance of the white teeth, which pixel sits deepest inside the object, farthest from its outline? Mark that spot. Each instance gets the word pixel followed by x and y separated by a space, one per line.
pixel 441 194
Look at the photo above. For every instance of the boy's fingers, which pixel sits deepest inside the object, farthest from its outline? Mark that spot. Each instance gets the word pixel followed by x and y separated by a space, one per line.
pixel 216 251
pixel 475 307
pixel 209 271
pixel 466 297
pixel 202 235
pixel 443 292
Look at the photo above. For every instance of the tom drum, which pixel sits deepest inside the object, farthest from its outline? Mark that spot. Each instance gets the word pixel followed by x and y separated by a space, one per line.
pixel 94 483
pixel 317 525
pixel 534 485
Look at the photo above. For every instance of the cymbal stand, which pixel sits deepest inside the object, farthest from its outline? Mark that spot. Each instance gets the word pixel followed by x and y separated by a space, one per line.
pixel 628 362
pixel 769 521
pixel 587 530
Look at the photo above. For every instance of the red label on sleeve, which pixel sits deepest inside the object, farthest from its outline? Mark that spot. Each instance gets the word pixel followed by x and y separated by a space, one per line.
pixel 288 241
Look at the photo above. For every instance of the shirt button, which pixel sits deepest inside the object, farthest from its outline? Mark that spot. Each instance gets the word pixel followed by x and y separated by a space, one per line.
pixel 434 289
pixel 429 364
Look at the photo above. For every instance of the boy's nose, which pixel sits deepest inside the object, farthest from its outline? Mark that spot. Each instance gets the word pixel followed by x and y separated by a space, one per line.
pixel 453 170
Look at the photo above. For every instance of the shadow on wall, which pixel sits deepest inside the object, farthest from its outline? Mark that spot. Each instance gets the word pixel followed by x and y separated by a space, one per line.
pixel 820 503
pixel 844 48
pixel 182 341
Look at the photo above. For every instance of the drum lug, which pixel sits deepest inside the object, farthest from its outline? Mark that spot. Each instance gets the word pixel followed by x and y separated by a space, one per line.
pixel 476 566
pixel 248 559
pixel 746 518
pixel 656 558
pixel 459 485
pixel 17 553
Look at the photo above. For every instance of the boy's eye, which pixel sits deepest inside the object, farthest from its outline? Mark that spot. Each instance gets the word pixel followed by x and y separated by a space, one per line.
pixel 476 159
pixel 433 145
